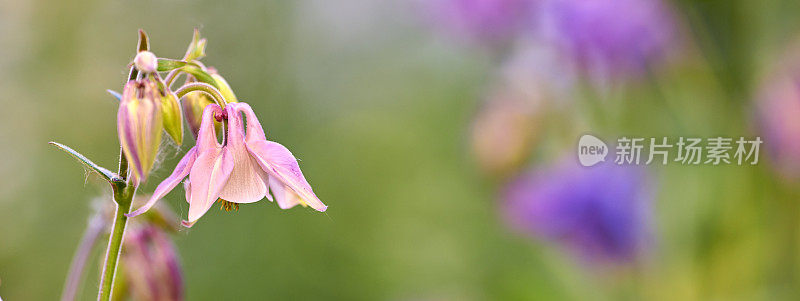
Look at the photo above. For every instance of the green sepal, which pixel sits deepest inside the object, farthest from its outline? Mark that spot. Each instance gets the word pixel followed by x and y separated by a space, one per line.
pixel 197 48
pixel 144 41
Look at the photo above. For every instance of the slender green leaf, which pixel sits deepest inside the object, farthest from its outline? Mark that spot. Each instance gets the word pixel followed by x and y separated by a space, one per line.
pixel 169 64
pixel 105 173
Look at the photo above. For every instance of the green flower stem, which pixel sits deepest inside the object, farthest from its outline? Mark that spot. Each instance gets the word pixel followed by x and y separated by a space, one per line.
pixel 124 190
pixel 123 196
pixel 195 69
pixel 171 76
pixel 202 87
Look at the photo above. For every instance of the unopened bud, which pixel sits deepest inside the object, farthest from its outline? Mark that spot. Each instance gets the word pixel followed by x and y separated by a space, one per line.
pixel 146 62
pixel 150 264
pixel 193 105
pixel 139 125
pixel 224 88
pixel 173 120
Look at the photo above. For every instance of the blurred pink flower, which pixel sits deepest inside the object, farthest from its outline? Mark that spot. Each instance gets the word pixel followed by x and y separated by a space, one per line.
pixel 504 131
pixel 243 170
pixel 778 108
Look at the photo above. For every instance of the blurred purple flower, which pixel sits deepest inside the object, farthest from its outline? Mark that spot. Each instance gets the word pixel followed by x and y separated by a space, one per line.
pixel 601 213
pixel 489 21
pixel 611 36
pixel 150 260
pixel 778 108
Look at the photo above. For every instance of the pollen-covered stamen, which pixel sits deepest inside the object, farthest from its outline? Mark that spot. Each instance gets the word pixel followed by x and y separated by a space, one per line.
pixel 227 206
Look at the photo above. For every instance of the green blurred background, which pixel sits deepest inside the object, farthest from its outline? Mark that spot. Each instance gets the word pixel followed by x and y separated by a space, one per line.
pixel 377 106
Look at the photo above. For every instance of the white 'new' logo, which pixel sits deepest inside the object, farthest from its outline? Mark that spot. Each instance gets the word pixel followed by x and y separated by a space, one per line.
pixel 591 150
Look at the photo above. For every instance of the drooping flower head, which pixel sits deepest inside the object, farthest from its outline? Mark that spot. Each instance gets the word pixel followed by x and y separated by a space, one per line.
pixel 151 265
pixel 245 169
pixel 489 21
pixel 193 105
pixel 600 213
pixel 611 36
pixel 139 125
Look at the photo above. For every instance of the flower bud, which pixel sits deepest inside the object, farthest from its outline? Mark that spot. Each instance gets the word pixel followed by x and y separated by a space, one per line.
pixel 172 118
pixel 139 125
pixel 146 62
pixel 150 265
pixel 193 105
pixel 224 88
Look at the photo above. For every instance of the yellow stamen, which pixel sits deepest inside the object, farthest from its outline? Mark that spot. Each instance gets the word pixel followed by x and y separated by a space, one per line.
pixel 227 206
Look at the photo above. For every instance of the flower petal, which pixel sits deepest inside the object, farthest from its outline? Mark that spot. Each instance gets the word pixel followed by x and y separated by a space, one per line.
pixel 284 196
pixel 187 187
pixel 207 177
pixel 207 136
pixel 180 172
pixel 254 130
pixel 282 167
pixel 246 184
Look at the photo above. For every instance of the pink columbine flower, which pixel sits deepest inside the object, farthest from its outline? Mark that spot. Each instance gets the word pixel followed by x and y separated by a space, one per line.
pixel 242 170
